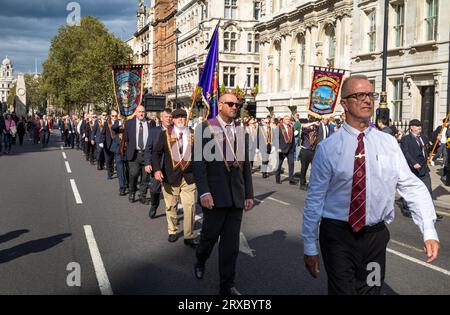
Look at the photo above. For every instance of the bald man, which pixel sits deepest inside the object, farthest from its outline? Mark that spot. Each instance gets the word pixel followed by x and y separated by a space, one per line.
pixel 136 134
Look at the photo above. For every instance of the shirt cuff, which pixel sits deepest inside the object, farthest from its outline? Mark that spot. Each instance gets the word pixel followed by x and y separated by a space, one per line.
pixel 205 194
pixel 310 249
pixel 430 234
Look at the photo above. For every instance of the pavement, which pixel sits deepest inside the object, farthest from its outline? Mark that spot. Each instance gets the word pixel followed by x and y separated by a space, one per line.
pixel 64 229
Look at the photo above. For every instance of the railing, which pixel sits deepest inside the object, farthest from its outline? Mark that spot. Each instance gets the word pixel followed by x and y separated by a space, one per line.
pixel 401 124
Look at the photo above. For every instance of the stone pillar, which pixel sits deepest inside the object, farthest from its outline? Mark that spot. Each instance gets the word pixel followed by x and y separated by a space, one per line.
pixel 21 96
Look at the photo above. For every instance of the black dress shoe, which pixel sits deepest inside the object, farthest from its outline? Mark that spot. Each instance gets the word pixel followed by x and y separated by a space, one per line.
pixel 152 212
pixel 439 217
pixel 303 187
pixel 229 291
pixel 292 182
pixel 131 197
pixel 191 242
pixel 264 175
pixel 122 193
pixel 199 271
pixel 172 238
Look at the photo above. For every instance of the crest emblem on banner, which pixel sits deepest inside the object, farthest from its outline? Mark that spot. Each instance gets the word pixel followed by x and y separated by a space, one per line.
pixel 128 87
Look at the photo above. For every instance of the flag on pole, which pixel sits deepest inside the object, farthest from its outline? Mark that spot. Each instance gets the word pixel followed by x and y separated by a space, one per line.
pixel 207 88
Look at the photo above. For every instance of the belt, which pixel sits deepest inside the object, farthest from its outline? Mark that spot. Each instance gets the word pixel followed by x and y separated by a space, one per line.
pixel 368 228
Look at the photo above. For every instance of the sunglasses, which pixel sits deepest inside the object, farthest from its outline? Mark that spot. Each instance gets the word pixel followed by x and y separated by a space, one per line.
pixel 113 115
pixel 231 104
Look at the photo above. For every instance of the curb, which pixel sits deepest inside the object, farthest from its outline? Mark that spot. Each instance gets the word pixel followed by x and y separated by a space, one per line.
pixel 442 204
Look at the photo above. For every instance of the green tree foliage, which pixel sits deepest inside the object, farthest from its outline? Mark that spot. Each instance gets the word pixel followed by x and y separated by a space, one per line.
pixel 36 95
pixel 12 95
pixel 77 70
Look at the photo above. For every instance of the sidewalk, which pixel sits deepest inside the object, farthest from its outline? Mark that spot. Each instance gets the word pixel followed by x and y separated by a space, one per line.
pixel 441 192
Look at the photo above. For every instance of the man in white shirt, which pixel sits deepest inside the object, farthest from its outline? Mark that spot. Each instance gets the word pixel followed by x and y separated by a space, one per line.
pixel 351 194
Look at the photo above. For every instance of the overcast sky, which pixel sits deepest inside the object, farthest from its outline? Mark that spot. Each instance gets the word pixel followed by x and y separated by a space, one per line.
pixel 27 26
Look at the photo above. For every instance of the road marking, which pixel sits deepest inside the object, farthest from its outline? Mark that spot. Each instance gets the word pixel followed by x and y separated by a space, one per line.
pixel 68 167
pixel 407 246
pixel 260 201
pixel 99 267
pixel 282 202
pixel 75 192
pixel 61 147
pixel 244 247
pixel 64 155
pixel 417 261
pixel 443 213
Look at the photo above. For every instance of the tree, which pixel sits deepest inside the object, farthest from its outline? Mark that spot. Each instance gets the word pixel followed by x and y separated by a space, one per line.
pixel 77 70
pixel 36 95
pixel 12 95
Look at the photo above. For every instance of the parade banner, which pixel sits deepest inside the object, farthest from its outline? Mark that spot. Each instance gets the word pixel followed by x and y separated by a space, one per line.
pixel 128 88
pixel 207 88
pixel 325 87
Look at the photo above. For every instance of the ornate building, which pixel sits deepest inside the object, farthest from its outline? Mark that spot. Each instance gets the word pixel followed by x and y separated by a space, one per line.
pixel 164 26
pixel 6 79
pixel 238 43
pixel 295 35
pixel 418 55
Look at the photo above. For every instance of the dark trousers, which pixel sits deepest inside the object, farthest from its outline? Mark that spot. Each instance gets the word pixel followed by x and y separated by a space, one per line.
pixel 290 159
pixel 137 168
pixel 45 136
pixel 90 150
pixel 427 181
pixel 69 140
pixel 7 138
pixel 121 172
pixel 306 157
pixel 347 256
pixel 99 156
pixel 226 223
pixel 20 134
pixel 109 161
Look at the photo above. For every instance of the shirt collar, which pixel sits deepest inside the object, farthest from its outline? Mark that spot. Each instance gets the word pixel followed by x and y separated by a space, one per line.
pixel 355 132
pixel 223 124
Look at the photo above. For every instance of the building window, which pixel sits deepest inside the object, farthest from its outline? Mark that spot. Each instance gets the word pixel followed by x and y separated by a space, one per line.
pixel 255 76
pixel 256 43
pixel 278 69
pixel 331 49
pixel 257 10
pixel 229 75
pixel 230 9
pixel 397 99
pixel 249 42
pixel 249 77
pixel 301 62
pixel 399 22
pixel 431 19
pixel 229 41
pixel 371 17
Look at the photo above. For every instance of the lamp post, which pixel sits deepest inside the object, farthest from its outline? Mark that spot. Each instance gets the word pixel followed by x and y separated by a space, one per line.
pixel 177 32
pixel 383 110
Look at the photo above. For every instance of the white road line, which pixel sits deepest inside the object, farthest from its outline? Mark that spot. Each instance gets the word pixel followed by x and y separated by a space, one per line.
pixel 64 155
pixel 75 192
pixel 260 201
pixel 282 202
pixel 61 147
pixel 420 262
pixel 443 213
pixel 99 267
pixel 407 246
pixel 68 167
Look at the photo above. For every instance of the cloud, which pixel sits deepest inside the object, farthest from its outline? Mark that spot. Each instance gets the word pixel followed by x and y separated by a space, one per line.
pixel 27 26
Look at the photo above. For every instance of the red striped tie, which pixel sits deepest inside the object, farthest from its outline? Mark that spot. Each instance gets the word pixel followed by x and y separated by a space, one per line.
pixel 357 213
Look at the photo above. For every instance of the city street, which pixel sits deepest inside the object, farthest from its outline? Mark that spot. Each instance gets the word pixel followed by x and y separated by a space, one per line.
pixel 57 209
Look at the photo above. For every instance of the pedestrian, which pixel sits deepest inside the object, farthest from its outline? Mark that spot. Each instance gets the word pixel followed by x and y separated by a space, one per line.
pixel 382 125
pixel 225 189
pixel 286 149
pixel 106 142
pixel 21 129
pixel 354 178
pixel 2 129
pixel 9 132
pixel 264 142
pixel 100 153
pixel 118 129
pixel 415 149
pixel 309 140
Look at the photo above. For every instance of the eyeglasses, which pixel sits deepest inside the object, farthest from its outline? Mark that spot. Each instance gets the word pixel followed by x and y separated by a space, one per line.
pixel 361 96
pixel 231 104
pixel 113 115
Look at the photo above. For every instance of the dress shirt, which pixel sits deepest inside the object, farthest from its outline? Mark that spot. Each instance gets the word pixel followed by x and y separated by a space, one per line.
pixel 186 133
pixel 331 179
pixel 145 129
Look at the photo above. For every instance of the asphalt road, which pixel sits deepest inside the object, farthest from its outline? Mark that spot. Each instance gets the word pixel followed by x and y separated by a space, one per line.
pixel 43 230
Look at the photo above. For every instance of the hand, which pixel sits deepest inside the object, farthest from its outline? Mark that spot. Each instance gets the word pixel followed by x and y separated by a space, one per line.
pixel 159 176
pixel 431 249
pixel 86 139
pixel 207 201
pixel 417 166
pixel 92 142
pixel 148 169
pixel 279 151
pixel 101 145
pixel 248 204
pixel 312 264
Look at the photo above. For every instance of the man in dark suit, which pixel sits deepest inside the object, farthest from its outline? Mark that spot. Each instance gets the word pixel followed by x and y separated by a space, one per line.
pixel 309 141
pixel 264 144
pixel 224 185
pixel 286 149
pixel 153 138
pixel 97 131
pixel 415 148
pixel 175 144
pixel 136 134
pixel 107 141
pixel 118 129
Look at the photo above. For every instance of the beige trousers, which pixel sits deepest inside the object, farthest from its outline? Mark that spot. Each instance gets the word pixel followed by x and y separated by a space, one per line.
pixel 186 193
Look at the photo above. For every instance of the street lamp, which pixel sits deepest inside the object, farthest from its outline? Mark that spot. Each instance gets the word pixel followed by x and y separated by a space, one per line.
pixel 383 110
pixel 177 32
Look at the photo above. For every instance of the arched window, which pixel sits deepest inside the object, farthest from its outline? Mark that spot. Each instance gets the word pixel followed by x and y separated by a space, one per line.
pixel 278 67
pixel 229 41
pixel 331 45
pixel 301 62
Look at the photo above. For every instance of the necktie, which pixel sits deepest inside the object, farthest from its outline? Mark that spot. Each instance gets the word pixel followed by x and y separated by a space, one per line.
pixel 420 142
pixel 357 213
pixel 180 143
pixel 226 146
pixel 269 135
pixel 141 137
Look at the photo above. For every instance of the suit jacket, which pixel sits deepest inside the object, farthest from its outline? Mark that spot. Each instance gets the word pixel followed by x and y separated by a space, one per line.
pixel 261 139
pixel 97 131
pixel 414 155
pixel 117 129
pixel 173 171
pixel 130 139
pixel 152 140
pixel 228 186
pixel 286 146
pixel 107 135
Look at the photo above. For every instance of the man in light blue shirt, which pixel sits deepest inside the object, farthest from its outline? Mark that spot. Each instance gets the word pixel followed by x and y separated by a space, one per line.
pixel 351 194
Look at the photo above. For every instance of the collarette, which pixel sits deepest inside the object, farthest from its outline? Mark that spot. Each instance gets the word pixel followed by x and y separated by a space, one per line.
pixel 223 124
pixel 355 132
pixel 178 130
